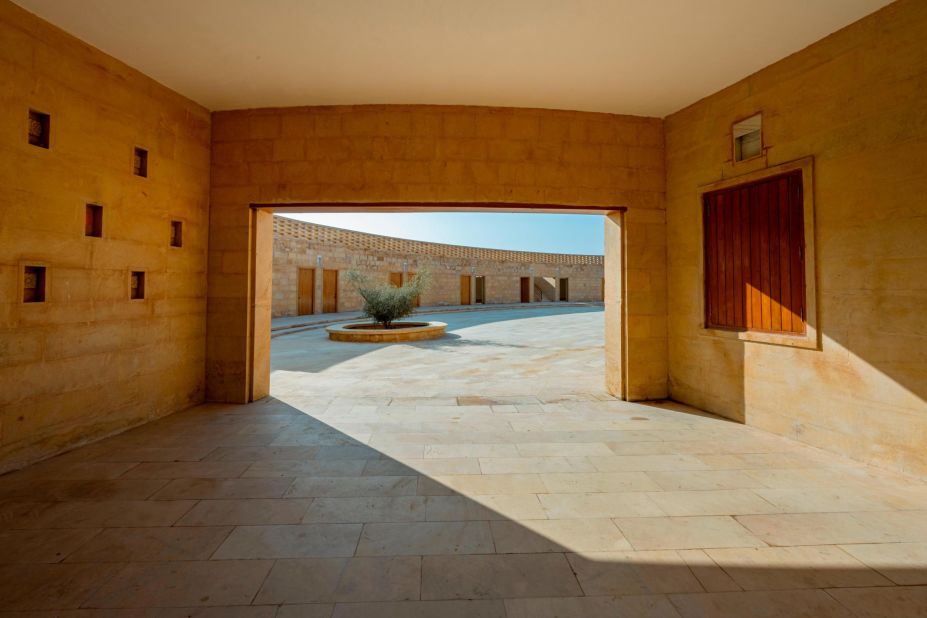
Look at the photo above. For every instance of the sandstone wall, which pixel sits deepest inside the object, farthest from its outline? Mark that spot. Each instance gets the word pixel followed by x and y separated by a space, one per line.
pixel 88 361
pixel 418 153
pixel 298 244
pixel 855 102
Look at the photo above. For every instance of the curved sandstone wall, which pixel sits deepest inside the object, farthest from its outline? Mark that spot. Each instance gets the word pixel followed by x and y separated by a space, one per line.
pixel 299 245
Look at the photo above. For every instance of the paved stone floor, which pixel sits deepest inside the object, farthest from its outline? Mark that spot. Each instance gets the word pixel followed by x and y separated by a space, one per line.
pixel 458 478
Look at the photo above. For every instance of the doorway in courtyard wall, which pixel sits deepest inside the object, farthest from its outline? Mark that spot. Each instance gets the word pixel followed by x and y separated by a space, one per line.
pixel 524 327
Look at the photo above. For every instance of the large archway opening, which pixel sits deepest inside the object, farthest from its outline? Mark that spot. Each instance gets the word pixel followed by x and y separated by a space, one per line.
pixel 261 276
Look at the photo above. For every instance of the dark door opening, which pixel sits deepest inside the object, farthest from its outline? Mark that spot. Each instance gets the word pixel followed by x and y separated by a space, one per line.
pixel 329 291
pixel 464 289
pixel 481 290
pixel 564 289
pixel 526 289
pixel 306 291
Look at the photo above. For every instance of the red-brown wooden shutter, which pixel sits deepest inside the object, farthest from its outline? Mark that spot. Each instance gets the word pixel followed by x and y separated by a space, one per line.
pixel 754 256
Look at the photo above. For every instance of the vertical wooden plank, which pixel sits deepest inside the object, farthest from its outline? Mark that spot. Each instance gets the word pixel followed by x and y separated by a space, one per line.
pixel 329 291
pixel 464 289
pixel 785 259
pixel 763 219
pixel 771 188
pixel 797 248
pixel 719 266
pixel 737 262
pixel 305 291
pixel 730 292
pixel 711 275
pixel 745 291
pixel 395 280
pixel 756 231
pixel 723 267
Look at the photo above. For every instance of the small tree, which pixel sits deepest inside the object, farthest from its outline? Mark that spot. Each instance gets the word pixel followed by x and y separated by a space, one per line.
pixel 383 302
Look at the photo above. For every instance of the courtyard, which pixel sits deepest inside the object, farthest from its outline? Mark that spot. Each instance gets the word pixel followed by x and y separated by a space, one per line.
pixel 486 474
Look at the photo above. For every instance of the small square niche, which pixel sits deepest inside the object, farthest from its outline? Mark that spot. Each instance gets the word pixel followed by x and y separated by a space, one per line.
pixel 137 285
pixel 34 284
pixel 39 125
pixel 177 233
pixel 140 163
pixel 748 137
pixel 93 221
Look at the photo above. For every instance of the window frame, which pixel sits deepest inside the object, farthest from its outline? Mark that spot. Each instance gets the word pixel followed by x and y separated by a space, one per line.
pixel 811 337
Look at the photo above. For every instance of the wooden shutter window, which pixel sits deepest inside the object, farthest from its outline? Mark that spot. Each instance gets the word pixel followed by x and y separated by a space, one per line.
pixel 754 256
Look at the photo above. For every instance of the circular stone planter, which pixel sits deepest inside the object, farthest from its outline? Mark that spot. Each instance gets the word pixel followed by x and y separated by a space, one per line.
pixel 373 333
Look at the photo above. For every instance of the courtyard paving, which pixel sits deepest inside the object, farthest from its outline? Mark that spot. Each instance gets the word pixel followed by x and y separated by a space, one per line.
pixel 487 474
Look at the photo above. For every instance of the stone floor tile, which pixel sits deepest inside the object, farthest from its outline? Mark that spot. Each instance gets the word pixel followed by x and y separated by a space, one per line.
pixel 634 572
pixel 496 484
pixel 712 502
pixel 792 568
pixel 313 580
pixel 141 453
pixel 910 602
pixel 824 500
pixel 104 514
pixel 388 578
pixel 425 538
pixel 483 507
pixel 644 463
pixel 62 470
pixel 187 470
pixel 421 609
pixel 457 451
pixel 429 467
pixel 173 584
pixel 313 467
pixel 253 512
pixel 290 541
pixel 223 489
pixel 798 478
pixel 312 610
pixel 598 505
pixel 557 535
pixel 709 574
pixel 529 465
pixel 50 586
pixel 497 576
pixel 649 606
pixel 151 544
pixel 251 454
pixel 596 482
pixel 540 449
pixel 228 611
pixel 365 510
pixel 835 528
pixel 896 526
pixel 350 487
pixel 685 480
pixel 306 580
pixel 48 546
pixel 685 532
pixel 791 604
pixel 903 563
pixel 118 489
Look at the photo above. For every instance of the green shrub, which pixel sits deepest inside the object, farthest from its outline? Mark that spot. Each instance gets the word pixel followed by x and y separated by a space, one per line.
pixel 383 302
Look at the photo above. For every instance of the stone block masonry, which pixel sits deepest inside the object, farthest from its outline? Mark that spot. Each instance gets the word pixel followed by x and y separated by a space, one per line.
pixel 299 245
pixel 84 358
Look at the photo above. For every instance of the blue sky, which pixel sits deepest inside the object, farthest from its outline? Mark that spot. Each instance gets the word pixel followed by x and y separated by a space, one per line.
pixel 518 231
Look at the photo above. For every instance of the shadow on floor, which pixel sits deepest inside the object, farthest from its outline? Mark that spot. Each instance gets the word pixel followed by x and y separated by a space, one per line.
pixel 258 508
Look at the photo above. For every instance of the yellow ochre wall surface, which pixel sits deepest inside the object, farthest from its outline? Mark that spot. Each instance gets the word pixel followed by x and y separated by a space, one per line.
pixel 89 361
pixel 424 153
pixel 855 102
